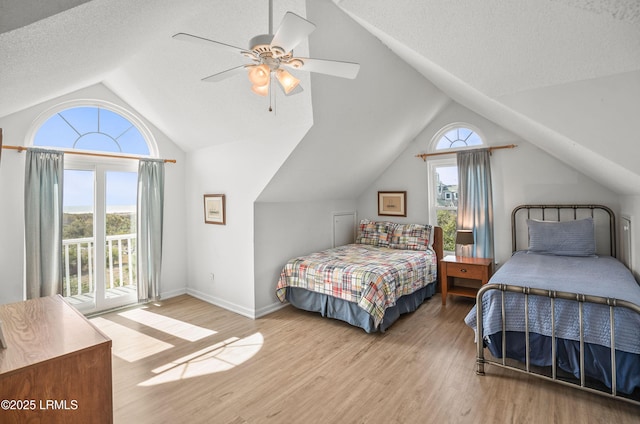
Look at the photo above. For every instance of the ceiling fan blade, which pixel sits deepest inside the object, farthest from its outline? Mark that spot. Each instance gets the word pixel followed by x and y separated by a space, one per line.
pixel 329 67
pixel 201 40
pixel 292 30
pixel 225 74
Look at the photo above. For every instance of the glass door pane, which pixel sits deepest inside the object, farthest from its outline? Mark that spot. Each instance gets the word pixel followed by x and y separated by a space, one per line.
pixel 120 244
pixel 446 202
pixel 78 238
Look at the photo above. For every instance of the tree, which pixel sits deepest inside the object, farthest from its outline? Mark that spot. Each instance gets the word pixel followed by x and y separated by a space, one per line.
pixel 447 220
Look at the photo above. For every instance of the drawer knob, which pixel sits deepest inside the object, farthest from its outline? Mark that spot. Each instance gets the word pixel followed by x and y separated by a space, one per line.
pixel 463 270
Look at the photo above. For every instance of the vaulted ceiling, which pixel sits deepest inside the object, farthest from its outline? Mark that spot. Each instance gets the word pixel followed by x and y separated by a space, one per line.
pixel 563 74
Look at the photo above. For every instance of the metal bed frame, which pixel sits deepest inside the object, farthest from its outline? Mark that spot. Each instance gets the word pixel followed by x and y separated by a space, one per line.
pixel 575 212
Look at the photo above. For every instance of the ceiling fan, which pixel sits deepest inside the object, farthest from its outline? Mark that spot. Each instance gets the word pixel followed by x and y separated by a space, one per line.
pixel 271 53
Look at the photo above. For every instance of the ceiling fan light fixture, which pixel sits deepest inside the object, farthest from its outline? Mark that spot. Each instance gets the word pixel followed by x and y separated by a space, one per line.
pixel 270 52
pixel 287 81
pixel 278 51
pixel 259 75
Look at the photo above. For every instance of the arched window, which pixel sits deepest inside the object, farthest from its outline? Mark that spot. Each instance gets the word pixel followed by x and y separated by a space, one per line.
pixel 99 198
pixel 443 176
pixel 456 136
pixel 102 127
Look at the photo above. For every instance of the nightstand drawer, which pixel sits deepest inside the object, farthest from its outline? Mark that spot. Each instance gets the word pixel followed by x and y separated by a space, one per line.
pixel 465 271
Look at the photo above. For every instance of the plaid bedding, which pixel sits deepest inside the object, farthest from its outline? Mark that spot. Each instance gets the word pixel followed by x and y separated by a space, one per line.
pixel 373 277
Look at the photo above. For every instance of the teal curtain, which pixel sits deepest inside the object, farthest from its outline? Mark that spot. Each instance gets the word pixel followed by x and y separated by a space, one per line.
pixel 150 219
pixel 44 170
pixel 475 199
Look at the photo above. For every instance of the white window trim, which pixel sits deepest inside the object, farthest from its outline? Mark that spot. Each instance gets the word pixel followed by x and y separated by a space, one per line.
pixel 432 164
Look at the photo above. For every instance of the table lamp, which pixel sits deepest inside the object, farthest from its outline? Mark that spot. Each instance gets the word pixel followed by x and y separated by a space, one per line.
pixel 464 238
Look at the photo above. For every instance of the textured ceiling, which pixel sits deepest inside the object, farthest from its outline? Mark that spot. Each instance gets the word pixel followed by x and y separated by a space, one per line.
pixel 501 47
pixel 497 47
pixel 127 46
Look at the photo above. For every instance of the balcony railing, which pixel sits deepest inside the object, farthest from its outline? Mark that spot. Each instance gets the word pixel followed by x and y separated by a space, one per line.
pixel 79 264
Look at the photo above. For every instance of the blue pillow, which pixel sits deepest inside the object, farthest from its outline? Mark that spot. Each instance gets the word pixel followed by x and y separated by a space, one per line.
pixel 567 238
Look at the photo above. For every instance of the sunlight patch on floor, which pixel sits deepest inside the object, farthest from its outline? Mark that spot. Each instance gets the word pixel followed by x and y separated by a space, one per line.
pixel 219 357
pixel 168 325
pixel 128 344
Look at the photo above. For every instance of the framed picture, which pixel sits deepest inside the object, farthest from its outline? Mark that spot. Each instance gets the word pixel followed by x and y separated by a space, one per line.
pixel 214 212
pixel 392 203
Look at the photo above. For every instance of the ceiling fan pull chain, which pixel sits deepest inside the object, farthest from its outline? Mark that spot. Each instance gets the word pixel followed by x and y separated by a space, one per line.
pixel 275 101
pixel 270 90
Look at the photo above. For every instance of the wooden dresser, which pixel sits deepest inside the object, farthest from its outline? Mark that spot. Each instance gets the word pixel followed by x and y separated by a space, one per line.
pixel 56 367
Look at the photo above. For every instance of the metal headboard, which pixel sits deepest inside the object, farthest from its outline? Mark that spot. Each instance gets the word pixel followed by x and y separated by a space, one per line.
pixel 603 216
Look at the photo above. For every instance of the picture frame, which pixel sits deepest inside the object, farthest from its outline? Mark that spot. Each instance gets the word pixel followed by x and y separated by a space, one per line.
pixel 392 203
pixel 214 209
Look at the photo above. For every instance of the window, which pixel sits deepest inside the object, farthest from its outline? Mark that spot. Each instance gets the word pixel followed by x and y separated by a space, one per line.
pixel 91 128
pixel 443 178
pixel 99 200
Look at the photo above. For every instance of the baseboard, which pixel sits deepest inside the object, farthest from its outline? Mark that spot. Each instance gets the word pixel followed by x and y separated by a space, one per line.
pixel 173 293
pixel 270 308
pixel 249 313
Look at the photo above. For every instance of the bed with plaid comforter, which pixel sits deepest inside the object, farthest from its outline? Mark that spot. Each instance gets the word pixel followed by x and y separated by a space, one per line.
pixel 372 277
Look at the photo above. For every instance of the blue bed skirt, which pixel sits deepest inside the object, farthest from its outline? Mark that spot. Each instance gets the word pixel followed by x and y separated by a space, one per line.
pixel 597 360
pixel 340 309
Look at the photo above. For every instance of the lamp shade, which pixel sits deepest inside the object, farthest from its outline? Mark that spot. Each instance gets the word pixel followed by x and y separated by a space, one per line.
pixel 259 75
pixel 261 90
pixel 287 81
pixel 464 237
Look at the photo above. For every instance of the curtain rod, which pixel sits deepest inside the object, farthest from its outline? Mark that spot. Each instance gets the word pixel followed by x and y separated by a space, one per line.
pixel 102 155
pixel 424 156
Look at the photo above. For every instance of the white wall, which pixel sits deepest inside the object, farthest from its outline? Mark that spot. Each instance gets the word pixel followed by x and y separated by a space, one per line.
pixel 15 128
pixel 239 170
pixel 525 174
pixel 631 208
pixel 360 125
pixel 286 230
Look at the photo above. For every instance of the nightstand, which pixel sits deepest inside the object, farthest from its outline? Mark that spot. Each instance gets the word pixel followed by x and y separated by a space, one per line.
pixel 463 276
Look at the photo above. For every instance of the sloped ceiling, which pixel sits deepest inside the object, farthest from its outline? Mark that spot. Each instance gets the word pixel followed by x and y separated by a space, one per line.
pixel 359 133
pixel 127 46
pixel 562 74
pixel 517 63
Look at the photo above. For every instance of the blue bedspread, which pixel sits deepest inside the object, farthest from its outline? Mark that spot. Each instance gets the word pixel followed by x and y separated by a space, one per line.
pixel 600 276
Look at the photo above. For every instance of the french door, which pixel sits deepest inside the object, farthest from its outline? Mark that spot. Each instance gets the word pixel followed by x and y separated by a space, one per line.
pixel 99 235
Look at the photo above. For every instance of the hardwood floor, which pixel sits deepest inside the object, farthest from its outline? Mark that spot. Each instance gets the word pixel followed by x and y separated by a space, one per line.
pixel 296 367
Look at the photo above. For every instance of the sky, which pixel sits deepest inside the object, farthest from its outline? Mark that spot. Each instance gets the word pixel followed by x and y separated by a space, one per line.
pixel 78 194
pixel 91 128
pixel 448 174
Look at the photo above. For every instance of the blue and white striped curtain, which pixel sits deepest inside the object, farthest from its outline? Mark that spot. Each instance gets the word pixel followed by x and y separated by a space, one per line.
pixel 150 219
pixel 475 199
pixel 44 170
